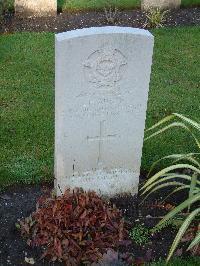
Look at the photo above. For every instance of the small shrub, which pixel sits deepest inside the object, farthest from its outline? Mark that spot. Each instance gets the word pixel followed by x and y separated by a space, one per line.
pixel 140 234
pixel 77 227
pixel 155 18
pixel 1 8
pixel 6 5
pixel 110 11
pixel 110 14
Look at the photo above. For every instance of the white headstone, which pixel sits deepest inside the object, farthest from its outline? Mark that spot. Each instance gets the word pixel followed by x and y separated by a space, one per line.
pixel 102 82
pixel 35 7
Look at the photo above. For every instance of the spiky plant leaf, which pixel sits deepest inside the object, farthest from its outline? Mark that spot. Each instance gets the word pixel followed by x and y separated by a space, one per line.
pixel 176 210
pixel 196 241
pixel 164 177
pixel 182 231
pixel 176 158
pixel 188 120
pixel 169 169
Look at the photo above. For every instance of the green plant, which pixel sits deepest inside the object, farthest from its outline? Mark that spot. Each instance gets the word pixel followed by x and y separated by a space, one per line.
pixel 110 11
pixel 110 14
pixel 190 3
pixel 140 234
pixel 97 4
pixel 1 8
pixel 155 17
pixel 6 5
pixel 172 176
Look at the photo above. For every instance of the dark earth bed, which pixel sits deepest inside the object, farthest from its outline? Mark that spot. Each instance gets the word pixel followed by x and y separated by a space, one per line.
pixel 19 201
pixel 69 21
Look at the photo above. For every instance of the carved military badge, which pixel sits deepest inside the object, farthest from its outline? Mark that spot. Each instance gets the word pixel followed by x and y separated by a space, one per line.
pixel 104 67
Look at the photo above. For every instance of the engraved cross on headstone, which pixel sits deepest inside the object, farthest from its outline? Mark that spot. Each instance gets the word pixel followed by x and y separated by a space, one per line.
pixel 101 138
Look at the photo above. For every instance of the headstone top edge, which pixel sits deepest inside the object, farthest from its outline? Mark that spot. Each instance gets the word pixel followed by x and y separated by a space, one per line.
pixel 101 30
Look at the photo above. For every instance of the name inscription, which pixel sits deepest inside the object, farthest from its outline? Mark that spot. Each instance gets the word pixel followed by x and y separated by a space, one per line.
pixel 102 107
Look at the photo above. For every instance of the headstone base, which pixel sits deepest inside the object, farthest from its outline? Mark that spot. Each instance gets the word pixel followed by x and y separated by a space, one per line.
pixel 106 183
pixel 37 8
pixel 161 4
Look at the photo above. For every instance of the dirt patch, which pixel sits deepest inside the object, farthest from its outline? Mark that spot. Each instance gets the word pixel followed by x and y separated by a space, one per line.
pixel 69 21
pixel 16 203
pixel 19 201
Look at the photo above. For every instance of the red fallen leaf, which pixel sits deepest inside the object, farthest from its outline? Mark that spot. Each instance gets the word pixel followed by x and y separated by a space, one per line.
pixel 44 254
pixel 78 235
pixel 178 252
pixel 82 202
pixel 70 261
pixel 164 206
pixel 58 248
pixel 121 229
pixel 68 207
pixel 74 243
pixel 187 237
pixel 54 209
pixel 139 262
pixel 195 251
pixel 83 215
pixel 77 211
pixel 169 207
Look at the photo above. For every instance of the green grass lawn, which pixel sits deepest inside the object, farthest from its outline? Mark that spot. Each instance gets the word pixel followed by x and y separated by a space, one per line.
pixel 26 82
pixel 99 4
pixel 187 3
pixel 27 100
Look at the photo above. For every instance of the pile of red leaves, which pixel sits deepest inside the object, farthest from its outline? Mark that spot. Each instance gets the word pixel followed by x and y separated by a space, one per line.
pixel 76 227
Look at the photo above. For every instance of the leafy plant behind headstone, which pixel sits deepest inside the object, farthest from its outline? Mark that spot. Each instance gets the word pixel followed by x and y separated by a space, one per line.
pixel 2 8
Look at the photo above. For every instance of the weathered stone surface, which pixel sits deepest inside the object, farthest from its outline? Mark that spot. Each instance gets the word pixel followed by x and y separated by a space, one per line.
pixel 162 4
pixel 35 7
pixel 102 82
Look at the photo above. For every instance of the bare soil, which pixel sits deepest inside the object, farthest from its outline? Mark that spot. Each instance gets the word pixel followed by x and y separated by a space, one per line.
pixel 69 21
pixel 20 201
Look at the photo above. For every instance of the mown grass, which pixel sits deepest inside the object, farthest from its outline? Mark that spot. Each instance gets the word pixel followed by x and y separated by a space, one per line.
pixel 100 4
pixel 27 100
pixel 97 4
pixel 174 88
pixel 27 83
pixel 188 3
